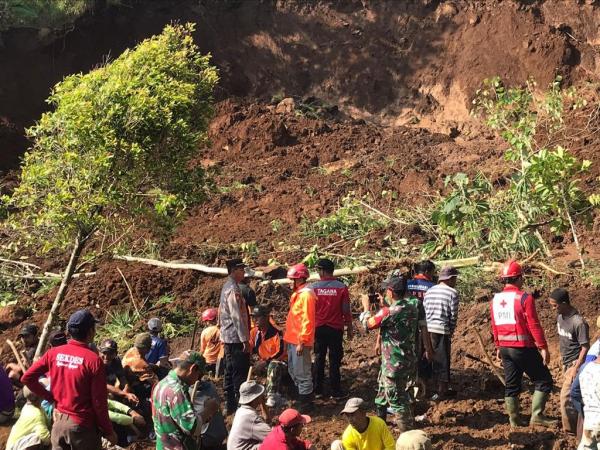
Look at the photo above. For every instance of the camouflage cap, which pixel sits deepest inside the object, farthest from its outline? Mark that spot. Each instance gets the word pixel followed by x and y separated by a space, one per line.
pixel 193 357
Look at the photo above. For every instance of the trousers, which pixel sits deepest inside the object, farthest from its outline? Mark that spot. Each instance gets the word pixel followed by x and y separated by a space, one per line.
pixel 299 367
pixel 237 364
pixel 516 361
pixel 68 435
pixel 275 372
pixel 393 392
pixel 568 413
pixel 330 340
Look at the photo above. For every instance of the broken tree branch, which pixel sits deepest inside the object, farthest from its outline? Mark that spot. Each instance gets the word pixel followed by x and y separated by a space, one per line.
pixel 130 292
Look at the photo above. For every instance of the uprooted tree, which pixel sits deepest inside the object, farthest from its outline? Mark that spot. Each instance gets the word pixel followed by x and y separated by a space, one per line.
pixel 115 149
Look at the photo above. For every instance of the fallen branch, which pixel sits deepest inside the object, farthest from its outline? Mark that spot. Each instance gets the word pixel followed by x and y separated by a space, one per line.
pixel 382 214
pixel 548 268
pixel 179 266
pixel 130 292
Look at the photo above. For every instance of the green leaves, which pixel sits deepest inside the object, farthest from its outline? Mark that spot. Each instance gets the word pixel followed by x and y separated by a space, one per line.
pixel 118 141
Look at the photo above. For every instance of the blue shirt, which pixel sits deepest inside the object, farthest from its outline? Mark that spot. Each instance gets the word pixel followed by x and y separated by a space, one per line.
pixel 576 397
pixel 417 287
pixel 158 349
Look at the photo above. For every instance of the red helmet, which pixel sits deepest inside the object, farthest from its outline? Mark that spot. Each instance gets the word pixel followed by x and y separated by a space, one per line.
pixel 511 269
pixel 298 271
pixel 209 314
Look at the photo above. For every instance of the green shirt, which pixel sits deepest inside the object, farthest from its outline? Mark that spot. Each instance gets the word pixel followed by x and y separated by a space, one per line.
pixel 174 418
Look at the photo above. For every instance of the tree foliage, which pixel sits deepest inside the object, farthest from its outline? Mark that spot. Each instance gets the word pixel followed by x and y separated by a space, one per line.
pixel 118 142
pixel 541 191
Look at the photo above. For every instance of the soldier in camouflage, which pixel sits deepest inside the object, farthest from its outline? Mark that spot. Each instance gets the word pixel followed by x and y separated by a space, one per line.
pixel 176 424
pixel 397 321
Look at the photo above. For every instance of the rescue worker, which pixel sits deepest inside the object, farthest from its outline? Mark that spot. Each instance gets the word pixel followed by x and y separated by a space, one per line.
pixel 300 334
pixel 574 343
pixel 520 342
pixel 78 388
pixel 234 323
pixel 417 286
pixel 176 424
pixel 267 343
pixel 397 320
pixel 332 315
pixel 211 346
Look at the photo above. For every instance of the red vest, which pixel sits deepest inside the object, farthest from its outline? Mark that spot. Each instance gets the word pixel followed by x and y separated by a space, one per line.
pixel 514 320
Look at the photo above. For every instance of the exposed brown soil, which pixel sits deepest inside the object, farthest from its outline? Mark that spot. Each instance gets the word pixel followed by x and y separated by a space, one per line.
pixel 396 79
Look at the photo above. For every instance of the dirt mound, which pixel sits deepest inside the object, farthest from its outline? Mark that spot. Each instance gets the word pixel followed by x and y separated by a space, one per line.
pixel 389 62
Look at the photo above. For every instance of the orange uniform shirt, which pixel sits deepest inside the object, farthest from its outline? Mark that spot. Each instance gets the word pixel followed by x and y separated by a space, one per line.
pixel 210 344
pixel 301 319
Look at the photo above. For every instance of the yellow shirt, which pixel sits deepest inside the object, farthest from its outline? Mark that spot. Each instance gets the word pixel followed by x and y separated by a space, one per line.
pixel 31 421
pixel 377 436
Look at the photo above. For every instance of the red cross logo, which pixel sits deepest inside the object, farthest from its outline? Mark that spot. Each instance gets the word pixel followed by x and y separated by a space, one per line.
pixel 503 303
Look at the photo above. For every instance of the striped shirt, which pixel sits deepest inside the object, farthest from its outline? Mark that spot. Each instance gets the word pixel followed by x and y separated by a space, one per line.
pixel 441 309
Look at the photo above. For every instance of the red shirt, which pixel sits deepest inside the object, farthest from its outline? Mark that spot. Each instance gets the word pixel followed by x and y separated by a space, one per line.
pixel 276 440
pixel 333 303
pixel 514 320
pixel 77 384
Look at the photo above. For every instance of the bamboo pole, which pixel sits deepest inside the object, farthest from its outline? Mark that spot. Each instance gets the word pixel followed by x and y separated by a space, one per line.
pixel 21 363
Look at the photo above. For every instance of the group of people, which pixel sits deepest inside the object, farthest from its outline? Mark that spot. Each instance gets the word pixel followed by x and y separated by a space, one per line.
pixel 77 393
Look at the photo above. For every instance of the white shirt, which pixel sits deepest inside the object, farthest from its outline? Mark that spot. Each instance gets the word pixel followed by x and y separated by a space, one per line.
pixel 590 392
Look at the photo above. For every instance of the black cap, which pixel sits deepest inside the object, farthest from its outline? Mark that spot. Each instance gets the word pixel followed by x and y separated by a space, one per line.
pixel 326 264
pixel 235 263
pixel 81 320
pixel 396 284
pixel 57 338
pixel 29 330
pixel 261 311
pixel 560 295
pixel 108 345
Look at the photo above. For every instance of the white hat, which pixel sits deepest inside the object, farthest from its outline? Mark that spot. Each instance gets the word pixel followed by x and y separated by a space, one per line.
pixel 413 440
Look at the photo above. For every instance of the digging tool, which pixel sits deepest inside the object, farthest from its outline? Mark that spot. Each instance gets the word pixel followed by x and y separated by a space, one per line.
pixel 194 389
pixel 495 369
pixel 475 358
pixel 249 377
pixel 194 334
pixel 17 356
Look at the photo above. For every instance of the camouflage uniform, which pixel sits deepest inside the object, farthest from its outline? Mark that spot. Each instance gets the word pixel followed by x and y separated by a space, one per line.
pixel 175 422
pixel 275 371
pixel 398 353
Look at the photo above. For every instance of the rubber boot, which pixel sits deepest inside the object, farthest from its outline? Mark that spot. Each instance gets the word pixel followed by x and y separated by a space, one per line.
pixel 538 404
pixel 305 403
pixel 512 409
pixel 382 412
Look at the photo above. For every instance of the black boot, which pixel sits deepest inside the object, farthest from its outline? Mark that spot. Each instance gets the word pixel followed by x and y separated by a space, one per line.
pixel 305 403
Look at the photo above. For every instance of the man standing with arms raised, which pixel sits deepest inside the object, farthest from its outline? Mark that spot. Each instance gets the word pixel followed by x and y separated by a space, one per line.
pixel 332 314
pixel 77 388
pixel 520 342
pixel 235 334
pixel 300 334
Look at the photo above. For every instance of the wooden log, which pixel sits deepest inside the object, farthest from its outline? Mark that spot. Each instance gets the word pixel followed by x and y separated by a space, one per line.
pixel 21 363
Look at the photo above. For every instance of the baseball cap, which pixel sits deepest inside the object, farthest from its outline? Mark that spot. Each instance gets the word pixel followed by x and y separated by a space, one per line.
pixel 235 263
pixel 29 330
pixel 81 320
pixel 396 284
pixel 560 295
pixel 108 345
pixel 353 405
pixel 143 340
pixel 447 272
pixel 325 264
pixel 57 338
pixel 261 311
pixel 155 324
pixel 291 417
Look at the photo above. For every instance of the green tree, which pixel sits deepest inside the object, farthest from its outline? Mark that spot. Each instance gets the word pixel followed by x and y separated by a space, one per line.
pixel 117 144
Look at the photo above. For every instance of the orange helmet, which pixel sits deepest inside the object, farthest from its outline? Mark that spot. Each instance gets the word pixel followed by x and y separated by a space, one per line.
pixel 298 271
pixel 209 314
pixel 511 269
